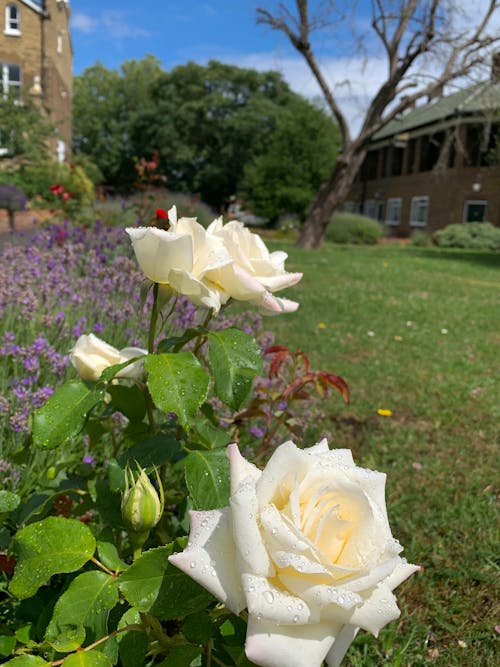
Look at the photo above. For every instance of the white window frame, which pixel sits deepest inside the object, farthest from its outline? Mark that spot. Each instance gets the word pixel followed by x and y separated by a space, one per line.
pixel 468 202
pixel 394 205
pixel 419 205
pixel 6 84
pixel 12 23
pixel 370 208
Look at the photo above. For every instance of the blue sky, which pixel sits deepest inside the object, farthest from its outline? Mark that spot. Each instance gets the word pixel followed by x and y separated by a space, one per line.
pixel 176 31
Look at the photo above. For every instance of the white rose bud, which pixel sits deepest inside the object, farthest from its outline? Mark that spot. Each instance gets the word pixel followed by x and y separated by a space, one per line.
pixel 90 356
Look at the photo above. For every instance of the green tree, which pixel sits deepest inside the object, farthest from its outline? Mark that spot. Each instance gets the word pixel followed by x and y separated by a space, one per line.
pixel 211 121
pixel 109 111
pixel 302 148
pixel 24 134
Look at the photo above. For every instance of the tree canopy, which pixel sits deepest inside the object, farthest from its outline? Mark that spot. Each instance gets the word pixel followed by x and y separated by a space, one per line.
pixel 212 127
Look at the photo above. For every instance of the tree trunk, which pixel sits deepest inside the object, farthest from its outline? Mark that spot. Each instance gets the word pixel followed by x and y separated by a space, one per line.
pixel 330 196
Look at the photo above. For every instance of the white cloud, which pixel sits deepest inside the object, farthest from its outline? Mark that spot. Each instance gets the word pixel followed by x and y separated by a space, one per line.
pixel 83 22
pixel 112 23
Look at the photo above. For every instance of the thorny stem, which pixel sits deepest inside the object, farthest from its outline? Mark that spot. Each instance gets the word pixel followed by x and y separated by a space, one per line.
pixel 151 344
pixel 202 338
pixel 153 321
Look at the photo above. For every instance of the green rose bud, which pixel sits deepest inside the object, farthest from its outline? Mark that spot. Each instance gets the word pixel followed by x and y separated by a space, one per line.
pixel 142 507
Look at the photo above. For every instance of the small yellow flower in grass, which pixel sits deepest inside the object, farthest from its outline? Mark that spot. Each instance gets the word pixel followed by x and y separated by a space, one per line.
pixel 444 331
pixel 386 264
pixel 321 325
pixel 384 412
pixel 461 643
pixel 398 338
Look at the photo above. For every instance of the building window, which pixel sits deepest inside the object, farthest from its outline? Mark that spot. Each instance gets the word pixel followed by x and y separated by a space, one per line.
pixel 418 211
pixel 12 20
pixel 59 42
pixel 475 211
pixel 370 208
pixel 393 216
pixel 11 79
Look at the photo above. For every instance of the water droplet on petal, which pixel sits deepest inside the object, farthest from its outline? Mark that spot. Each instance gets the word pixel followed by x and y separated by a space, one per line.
pixel 192 564
pixel 268 597
pixel 295 619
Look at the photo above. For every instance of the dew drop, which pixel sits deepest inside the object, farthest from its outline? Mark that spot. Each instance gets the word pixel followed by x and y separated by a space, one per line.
pixel 300 606
pixel 268 597
pixel 204 523
pixel 274 531
pixel 192 564
pixel 251 589
pixel 341 599
pixel 214 573
pixel 259 617
pixel 295 618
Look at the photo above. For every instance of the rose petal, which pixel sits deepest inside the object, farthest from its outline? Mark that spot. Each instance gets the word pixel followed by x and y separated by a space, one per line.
pixel 240 467
pixel 341 645
pixel 274 283
pixel 158 251
pixel 271 645
pixel 279 475
pixel 275 304
pixel 246 532
pixel 266 601
pixel 210 557
pixel 319 594
pixel 196 290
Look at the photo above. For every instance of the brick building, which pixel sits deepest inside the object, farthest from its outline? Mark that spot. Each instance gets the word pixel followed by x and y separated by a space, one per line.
pixel 436 165
pixel 36 58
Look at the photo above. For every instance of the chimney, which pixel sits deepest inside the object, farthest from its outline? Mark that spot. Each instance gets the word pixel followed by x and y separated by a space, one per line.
pixel 495 67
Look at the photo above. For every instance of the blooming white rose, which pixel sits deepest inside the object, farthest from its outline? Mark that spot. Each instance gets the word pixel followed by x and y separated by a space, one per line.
pixel 91 355
pixel 255 272
pixel 306 546
pixel 181 257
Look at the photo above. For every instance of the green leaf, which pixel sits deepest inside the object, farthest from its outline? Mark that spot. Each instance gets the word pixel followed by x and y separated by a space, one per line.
pixel 132 645
pixel 177 383
pixel 26 661
pixel 181 656
pixel 87 659
pixel 207 434
pixel 63 415
pixel 198 628
pixel 129 401
pixel 207 478
pixel 152 584
pixel 8 501
pixel 154 451
pixel 49 547
pixel 81 613
pixel 235 359
pixel 7 645
pixel 108 553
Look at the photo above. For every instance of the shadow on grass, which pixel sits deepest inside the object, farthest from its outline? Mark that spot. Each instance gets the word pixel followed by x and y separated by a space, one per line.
pixel 484 258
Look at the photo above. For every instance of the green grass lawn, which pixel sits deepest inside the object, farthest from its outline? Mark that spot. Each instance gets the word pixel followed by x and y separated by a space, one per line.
pixel 417 332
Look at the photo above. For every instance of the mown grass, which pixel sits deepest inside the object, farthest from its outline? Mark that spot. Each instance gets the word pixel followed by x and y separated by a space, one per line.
pixel 416 331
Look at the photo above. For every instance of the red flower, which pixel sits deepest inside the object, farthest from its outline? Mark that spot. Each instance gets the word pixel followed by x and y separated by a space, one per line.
pixel 57 189
pixel 66 196
pixel 161 214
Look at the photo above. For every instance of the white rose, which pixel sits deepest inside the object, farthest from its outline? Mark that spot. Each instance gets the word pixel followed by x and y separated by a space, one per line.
pixel 181 257
pixel 255 272
pixel 306 546
pixel 91 355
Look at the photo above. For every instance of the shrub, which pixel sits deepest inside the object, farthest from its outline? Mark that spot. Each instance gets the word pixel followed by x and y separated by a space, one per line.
pixel 469 235
pixel 420 239
pixel 352 228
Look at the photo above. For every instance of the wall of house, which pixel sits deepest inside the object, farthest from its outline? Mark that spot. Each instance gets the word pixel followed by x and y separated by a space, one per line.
pixel 44 50
pixel 58 76
pixel 25 49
